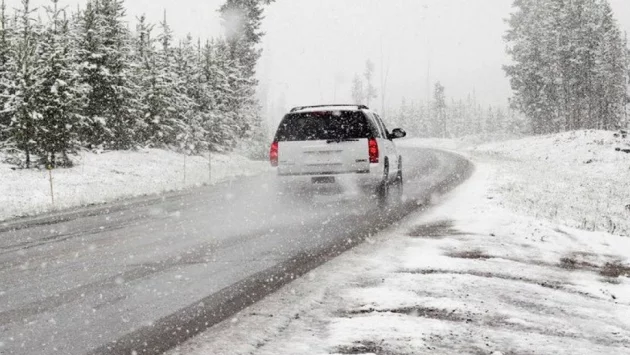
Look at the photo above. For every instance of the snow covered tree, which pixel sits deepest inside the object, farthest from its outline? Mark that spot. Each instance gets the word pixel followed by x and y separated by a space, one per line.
pixel 87 81
pixel 412 116
pixel 358 92
pixel 458 118
pixel 217 69
pixel 143 75
pixel 569 69
pixel 439 125
pixel 144 42
pixel 490 124
pixel 190 93
pixel 59 95
pixel 5 73
pixel 241 20
pixel 22 85
pixel 91 61
pixel 611 73
pixel 5 37
pixel 500 121
pixel 160 103
pixel 122 93
pixel 104 54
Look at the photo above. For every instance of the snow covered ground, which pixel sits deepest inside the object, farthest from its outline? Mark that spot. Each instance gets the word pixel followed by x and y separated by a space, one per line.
pixel 478 274
pixel 100 178
pixel 577 178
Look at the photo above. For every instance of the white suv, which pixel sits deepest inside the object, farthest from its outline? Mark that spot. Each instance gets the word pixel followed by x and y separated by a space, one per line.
pixel 338 147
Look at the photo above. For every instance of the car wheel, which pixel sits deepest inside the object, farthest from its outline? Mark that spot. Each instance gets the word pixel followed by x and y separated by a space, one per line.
pixel 383 189
pixel 398 187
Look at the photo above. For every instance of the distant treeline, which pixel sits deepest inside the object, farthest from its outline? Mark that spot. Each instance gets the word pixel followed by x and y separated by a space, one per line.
pixel 84 80
pixel 450 118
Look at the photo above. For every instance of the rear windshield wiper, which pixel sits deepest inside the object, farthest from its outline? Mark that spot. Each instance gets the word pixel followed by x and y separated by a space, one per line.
pixel 339 140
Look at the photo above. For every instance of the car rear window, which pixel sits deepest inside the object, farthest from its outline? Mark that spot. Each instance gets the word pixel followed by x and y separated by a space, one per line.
pixel 328 125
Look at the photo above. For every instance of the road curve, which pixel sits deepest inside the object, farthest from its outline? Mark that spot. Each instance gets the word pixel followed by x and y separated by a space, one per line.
pixel 148 276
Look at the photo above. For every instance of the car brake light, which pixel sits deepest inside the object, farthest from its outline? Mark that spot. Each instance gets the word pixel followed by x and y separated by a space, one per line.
pixel 373 150
pixel 273 154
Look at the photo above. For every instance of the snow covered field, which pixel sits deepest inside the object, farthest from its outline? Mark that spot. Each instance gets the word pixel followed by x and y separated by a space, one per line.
pixel 478 274
pixel 100 178
pixel 577 178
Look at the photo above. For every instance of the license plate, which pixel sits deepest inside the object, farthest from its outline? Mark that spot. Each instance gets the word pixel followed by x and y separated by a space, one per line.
pixel 324 180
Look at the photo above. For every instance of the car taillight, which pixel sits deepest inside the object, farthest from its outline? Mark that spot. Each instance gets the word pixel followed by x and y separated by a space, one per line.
pixel 273 154
pixel 373 150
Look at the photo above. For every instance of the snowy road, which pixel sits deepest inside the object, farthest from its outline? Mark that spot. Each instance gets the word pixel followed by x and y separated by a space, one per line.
pixel 150 276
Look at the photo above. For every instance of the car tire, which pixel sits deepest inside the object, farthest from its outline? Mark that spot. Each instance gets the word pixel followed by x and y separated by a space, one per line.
pixel 383 189
pixel 398 187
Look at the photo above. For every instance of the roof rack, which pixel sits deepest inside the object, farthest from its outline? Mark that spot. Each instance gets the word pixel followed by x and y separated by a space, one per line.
pixel 360 107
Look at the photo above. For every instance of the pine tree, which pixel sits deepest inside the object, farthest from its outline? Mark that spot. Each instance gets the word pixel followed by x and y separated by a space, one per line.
pixel 500 121
pixel 358 91
pixel 421 122
pixel 86 81
pixel 569 70
pixel 5 37
pixel 5 73
pixel 91 60
pixel 143 70
pixel 439 126
pixel 59 96
pixel 490 122
pixel 242 20
pixel 402 115
pixel 218 129
pixel 121 93
pixel 161 122
pixel 457 120
pixel 611 73
pixel 105 57
pixel 189 92
pixel 528 74
pixel 219 76
pixel 626 52
pixel 22 85
pixel 224 74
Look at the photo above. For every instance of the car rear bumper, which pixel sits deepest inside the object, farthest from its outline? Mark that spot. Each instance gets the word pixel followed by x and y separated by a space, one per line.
pixel 332 182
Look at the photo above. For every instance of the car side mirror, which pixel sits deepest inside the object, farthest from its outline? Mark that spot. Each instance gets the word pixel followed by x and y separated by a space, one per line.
pixel 398 133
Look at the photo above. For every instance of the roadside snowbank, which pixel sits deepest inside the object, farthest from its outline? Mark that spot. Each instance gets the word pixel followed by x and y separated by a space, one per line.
pixel 100 178
pixel 468 277
pixel 576 178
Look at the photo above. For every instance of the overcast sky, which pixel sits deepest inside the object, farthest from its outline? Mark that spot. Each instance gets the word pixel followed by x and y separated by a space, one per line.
pixel 311 44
